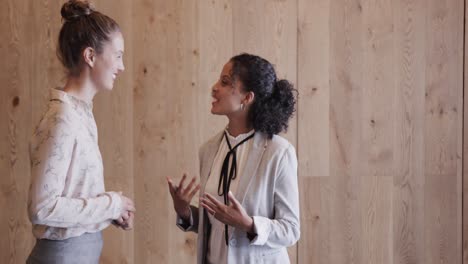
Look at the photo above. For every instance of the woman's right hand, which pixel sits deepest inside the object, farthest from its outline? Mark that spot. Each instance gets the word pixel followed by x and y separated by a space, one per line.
pixel 128 207
pixel 127 204
pixel 182 196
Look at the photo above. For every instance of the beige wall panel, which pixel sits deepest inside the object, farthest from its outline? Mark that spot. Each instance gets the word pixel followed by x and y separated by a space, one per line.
pixel 443 127
pixel 409 103
pixel 314 87
pixel 465 150
pixel 345 131
pixel 165 114
pixel 378 86
pixel 376 209
pixel 314 246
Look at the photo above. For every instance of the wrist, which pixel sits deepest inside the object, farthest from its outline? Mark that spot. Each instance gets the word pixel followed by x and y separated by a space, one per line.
pixel 184 212
pixel 249 225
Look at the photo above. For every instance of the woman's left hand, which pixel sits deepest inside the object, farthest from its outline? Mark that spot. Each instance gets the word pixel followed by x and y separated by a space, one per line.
pixel 233 214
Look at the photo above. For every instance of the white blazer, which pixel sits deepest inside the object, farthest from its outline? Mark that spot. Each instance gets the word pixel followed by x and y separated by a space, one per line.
pixel 267 190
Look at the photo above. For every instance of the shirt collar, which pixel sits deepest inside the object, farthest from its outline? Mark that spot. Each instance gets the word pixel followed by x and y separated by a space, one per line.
pixel 58 94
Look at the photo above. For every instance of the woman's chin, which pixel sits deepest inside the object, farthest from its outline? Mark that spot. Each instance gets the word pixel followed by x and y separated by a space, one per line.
pixel 214 111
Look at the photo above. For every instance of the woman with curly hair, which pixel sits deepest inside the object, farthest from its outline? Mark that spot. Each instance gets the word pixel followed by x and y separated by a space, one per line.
pixel 249 198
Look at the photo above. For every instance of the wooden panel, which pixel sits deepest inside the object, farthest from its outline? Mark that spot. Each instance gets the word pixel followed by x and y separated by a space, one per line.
pixel 314 88
pixel 314 246
pixel 114 118
pixel 409 180
pixel 443 127
pixel 377 71
pixel 165 112
pixel 465 146
pixel 375 200
pixel 346 61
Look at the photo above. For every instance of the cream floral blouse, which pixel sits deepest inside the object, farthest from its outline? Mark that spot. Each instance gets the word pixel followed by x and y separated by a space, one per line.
pixel 67 196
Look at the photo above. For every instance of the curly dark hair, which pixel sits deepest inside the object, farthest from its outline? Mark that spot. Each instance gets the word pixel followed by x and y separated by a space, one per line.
pixel 274 102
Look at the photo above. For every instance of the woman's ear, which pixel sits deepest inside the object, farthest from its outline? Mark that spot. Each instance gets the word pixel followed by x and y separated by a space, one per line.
pixel 89 56
pixel 249 98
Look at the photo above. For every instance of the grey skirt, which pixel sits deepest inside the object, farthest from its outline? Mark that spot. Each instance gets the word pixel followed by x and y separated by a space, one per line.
pixel 83 249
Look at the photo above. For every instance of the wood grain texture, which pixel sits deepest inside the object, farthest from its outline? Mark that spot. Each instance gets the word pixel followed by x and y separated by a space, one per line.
pixel 378 86
pixel 465 146
pixel 443 128
pixel 379 127
pixel 314 87
pixel 409 180
pixel 314 246
pixel 346 231
pixel 165 112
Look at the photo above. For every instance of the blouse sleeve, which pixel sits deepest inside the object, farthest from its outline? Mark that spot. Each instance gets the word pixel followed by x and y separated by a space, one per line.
pixel 52 151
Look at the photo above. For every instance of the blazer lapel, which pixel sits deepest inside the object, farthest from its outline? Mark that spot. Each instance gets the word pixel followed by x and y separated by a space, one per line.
pixel 250 168
pixel 207 155
pixel 207 159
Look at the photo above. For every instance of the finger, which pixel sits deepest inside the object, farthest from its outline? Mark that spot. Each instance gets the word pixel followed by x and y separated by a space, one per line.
pixel 210 210
pixel 190 186
pixel 130 203
pixel 130 223
pixel 129 207
pixel 194 191
pixel 181 183
pixel 172 188
pixel 233 200
pixel 209 203
pixel 213 200
pixel 125 216
pixel 119 220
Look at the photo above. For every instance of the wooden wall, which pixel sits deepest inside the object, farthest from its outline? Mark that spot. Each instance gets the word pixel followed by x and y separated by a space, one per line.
pixel 378 131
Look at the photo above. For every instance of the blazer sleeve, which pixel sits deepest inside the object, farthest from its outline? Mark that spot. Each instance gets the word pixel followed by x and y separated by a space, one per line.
pixel 284 229
pixel 192 224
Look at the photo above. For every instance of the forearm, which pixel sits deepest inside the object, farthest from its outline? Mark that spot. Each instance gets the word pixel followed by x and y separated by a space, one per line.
pixel 70 212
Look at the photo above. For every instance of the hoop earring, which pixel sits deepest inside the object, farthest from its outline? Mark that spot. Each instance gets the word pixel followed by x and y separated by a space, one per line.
pixel 242 107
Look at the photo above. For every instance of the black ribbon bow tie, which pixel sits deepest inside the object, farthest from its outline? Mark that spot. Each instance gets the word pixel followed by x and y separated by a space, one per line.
pixel 225 178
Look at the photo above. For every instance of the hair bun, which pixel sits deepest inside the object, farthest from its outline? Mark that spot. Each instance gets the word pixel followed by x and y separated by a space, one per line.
pixel 75 9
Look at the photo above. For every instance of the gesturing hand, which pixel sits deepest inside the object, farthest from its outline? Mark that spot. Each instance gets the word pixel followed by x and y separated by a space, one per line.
pixel 233 214
pixel 182 195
